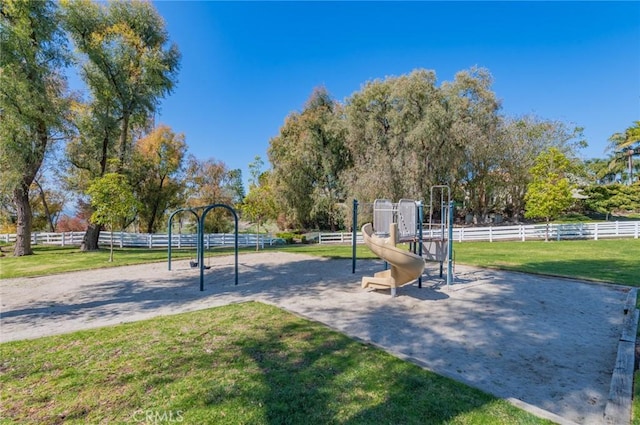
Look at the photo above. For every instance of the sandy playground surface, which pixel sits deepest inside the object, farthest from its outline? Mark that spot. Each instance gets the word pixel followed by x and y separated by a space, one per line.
pixel 549 345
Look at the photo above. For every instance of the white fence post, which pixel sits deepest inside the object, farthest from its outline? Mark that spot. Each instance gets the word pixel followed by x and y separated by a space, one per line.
pixel 595 232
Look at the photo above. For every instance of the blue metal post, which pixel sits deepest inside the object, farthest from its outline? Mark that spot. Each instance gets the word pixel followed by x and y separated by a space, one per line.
pixel 235 218
pixel 173 214
pixel 201 249
pixel 169 249
pixel 450 246
pixel 354 235
pixel 420 213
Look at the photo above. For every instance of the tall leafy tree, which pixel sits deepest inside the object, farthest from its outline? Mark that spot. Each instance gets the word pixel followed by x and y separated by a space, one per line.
pixel 260 203
pixel 210 182
pixel 90 154
pixel 112 201
pixel 32 103
pixel 47 204
pixel 550 191
pixel 522 140
pixel 612 198
pixel 599 172
pixel 235 186
pixel 156 169
pixel 308 157
pixel 475 128
pixel 625 146
pixel 129 65
pixel 399 138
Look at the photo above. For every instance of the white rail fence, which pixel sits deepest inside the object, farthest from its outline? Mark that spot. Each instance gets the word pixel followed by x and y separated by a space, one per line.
pixel 147 240
pixel 523 232
pixel 595 231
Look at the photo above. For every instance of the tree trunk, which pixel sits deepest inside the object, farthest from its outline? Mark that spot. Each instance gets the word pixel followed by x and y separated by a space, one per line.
pixel 258 237
pixel 111 248
pixel 90 239
pixel 21 194
pixel 124 133
pixel 47 213
pixel 23 225
pixel 546 233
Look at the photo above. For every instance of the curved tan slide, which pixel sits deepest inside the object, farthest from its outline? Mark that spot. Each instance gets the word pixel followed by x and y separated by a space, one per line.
pixel 405 265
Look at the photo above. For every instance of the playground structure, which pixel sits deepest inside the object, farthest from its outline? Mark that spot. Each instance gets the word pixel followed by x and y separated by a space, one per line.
pixel 405 265
pixel 200 243
pixel 403 223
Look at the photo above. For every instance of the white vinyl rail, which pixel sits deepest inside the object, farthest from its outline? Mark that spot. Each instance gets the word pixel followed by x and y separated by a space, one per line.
pixel 146 240
pixel 522 232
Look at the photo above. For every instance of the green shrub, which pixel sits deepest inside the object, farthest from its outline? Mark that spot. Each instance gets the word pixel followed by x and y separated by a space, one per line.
pixel 287 236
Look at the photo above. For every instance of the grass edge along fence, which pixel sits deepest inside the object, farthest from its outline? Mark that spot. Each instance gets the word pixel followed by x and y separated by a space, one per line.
pixel 522 232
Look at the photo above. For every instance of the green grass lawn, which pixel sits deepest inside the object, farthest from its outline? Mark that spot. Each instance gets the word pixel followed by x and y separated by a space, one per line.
pixel 251 363
pixel 244 363
pixel 611 260
pixel 51 259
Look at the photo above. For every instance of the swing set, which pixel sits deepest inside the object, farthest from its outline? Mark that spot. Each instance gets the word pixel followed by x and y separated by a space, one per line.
pixel 199 261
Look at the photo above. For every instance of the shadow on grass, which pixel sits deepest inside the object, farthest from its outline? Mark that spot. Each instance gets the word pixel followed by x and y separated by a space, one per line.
pixel 342 381
pixel 521 336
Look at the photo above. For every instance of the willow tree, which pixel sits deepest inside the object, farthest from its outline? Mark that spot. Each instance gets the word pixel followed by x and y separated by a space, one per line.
pixel 475 129
pixel 399 136
pixel 127 64
pixel 308 158
pixel 31 100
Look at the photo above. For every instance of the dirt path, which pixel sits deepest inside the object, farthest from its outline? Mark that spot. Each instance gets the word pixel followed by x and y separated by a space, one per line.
pixel 543 343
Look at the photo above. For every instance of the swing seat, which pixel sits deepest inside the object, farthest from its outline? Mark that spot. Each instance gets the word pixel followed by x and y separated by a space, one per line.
pixel 193 264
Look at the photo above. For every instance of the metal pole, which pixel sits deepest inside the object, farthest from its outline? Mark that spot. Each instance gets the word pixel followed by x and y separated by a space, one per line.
pixel 201 250
pixel 420 213
pixel 235 216
pixel 450 246
pixel 354 235
pixel 169 249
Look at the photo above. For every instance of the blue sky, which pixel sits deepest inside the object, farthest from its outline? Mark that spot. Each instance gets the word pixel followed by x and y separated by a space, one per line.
pixel 246 66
